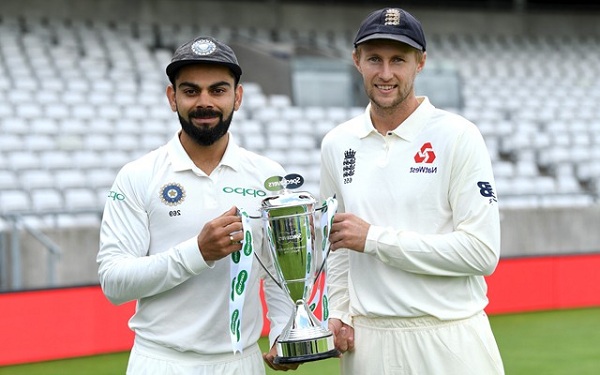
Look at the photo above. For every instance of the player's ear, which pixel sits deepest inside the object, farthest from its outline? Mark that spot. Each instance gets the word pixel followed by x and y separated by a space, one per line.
pixel 421 63
pixel 171 97
pixel 356 59
pixel 239 93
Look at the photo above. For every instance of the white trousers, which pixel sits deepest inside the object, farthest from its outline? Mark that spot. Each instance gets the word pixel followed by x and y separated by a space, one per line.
pixel 148 359
pixel 423 346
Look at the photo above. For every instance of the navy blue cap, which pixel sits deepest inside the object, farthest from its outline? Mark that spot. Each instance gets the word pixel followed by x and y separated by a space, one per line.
pixel 203 50
pixel 393 24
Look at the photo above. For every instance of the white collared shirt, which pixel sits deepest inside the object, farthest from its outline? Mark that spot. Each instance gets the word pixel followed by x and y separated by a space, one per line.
pixel 427 189
pixel 148 248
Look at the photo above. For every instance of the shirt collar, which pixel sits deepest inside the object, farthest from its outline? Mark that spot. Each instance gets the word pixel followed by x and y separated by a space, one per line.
pixel 410 127
pixel 181 161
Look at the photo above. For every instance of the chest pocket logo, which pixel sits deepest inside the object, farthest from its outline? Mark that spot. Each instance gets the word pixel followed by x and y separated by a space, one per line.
pixel 425 154
pixel 349 165
pixel 172 194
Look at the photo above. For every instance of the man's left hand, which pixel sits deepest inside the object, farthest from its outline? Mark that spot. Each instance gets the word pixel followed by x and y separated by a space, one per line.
pixel 270 356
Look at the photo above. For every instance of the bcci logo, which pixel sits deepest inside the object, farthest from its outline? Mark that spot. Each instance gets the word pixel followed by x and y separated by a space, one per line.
pixel 172 194
pixel 204 47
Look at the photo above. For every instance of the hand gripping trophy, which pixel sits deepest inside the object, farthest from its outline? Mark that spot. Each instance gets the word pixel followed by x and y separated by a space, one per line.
pixel 289 222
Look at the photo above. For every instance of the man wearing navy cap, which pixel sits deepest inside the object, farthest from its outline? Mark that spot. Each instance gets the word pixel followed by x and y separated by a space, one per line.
pixel 418 224
pixel 171 224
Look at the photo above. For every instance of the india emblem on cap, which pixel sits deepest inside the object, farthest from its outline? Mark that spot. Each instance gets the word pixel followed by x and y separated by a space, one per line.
pixel 204 47
pixel 392 17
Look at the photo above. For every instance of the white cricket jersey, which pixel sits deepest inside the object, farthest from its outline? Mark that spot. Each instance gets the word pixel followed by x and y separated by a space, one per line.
pixel 157 206
pixel 427 189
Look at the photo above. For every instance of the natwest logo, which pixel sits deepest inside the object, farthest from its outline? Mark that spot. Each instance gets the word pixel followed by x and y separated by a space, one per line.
pixel 425 154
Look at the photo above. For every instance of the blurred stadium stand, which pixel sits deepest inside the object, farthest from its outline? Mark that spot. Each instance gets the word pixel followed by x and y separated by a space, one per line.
pixel 82 93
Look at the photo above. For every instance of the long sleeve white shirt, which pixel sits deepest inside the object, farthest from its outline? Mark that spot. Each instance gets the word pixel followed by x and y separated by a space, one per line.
pixel 148 249
pixel 427 189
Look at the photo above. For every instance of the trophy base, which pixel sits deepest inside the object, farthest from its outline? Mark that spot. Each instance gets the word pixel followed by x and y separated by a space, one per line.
pixel 303 339
pixel 306 350
pixel 307 357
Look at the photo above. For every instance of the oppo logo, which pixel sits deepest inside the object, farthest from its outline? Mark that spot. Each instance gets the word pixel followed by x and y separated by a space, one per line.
pixel 244 191
pixel 116 196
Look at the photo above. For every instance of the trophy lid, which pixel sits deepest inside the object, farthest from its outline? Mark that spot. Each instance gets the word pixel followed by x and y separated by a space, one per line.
pixel 288 199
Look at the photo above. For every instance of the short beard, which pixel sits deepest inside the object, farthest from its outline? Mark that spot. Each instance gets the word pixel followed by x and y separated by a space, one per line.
pixel 205 136
pixel 389 107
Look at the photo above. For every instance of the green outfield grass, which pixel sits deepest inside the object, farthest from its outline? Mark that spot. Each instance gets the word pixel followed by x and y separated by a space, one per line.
pixel 565 342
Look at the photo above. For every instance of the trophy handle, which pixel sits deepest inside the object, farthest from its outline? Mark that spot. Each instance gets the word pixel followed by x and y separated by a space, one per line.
pixel 324 208
pixel 260 261
pixel 322 266
pixel 279 284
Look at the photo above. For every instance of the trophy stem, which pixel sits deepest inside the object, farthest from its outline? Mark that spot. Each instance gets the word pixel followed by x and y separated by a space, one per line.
pixel 303 339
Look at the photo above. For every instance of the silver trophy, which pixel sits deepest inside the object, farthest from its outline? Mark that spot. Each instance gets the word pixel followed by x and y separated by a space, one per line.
pixel 289 222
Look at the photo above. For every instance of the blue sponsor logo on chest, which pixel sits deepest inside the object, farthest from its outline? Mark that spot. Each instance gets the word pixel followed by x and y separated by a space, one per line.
pixel 423 169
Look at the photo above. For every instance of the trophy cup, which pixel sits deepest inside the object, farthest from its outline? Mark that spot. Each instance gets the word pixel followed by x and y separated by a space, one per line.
pixel 289 219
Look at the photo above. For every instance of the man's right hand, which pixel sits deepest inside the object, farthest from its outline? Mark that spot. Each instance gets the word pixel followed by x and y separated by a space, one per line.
pixel 343 335
pixel 221 236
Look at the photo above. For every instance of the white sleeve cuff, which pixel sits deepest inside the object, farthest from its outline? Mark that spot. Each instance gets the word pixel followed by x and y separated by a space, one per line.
pixel 343 316
pixel 374 233
pixel 192 257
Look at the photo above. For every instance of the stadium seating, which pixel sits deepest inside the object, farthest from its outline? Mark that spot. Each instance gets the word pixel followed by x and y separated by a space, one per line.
pixel 80 99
